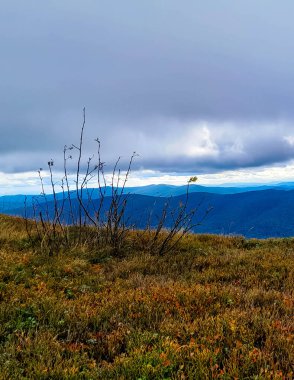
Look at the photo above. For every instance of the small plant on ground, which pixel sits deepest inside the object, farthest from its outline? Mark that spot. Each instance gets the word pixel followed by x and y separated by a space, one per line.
pixel 82 214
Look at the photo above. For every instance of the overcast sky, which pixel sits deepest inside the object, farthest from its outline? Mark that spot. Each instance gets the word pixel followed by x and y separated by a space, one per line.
pixel 195 87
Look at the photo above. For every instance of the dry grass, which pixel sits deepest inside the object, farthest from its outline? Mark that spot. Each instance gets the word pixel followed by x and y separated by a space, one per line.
pixel 217 307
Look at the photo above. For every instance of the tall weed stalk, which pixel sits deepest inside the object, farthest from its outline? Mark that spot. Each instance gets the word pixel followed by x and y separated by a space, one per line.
pixel 79 214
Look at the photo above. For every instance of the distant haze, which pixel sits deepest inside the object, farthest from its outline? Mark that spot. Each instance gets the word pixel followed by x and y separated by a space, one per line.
pixel 202 88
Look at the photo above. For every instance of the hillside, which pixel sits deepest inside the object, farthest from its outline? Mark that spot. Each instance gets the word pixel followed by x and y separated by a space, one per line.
pixel 217 307
pixel 253 214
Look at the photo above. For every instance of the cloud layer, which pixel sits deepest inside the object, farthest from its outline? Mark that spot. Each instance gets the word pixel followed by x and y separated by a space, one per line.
pixel 192 87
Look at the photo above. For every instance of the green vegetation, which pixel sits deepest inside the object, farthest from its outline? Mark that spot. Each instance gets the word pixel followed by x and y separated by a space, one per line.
pixel 213 308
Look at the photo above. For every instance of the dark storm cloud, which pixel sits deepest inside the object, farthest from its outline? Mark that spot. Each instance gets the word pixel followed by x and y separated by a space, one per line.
pixel 150 73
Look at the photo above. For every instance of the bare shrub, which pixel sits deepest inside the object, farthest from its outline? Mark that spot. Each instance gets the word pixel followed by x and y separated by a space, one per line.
pixel 80 214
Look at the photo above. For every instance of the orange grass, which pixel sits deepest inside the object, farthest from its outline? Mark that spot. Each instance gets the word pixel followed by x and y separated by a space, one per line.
pixel 217 308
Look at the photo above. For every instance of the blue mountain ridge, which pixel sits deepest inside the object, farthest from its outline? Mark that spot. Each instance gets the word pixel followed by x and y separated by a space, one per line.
pixel 259 214
pixel 8 202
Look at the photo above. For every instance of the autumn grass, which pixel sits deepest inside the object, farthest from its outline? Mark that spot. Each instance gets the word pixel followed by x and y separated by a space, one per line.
pixel 217 307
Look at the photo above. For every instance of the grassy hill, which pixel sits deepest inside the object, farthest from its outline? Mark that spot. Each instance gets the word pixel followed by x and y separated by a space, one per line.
pixel 217 307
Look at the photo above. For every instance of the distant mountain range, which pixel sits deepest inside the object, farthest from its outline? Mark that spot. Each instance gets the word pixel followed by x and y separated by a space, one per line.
pixel 255 211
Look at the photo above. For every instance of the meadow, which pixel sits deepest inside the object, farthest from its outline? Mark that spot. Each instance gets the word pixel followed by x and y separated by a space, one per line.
pixel 214 307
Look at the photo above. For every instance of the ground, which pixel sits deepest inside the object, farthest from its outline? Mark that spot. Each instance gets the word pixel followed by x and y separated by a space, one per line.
pixel 215 307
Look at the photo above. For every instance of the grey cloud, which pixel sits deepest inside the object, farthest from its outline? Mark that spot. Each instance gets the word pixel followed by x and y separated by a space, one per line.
pixel 182 148
pixel 146 71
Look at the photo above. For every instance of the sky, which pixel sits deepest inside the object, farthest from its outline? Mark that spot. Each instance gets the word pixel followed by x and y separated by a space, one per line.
pixel 194 87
